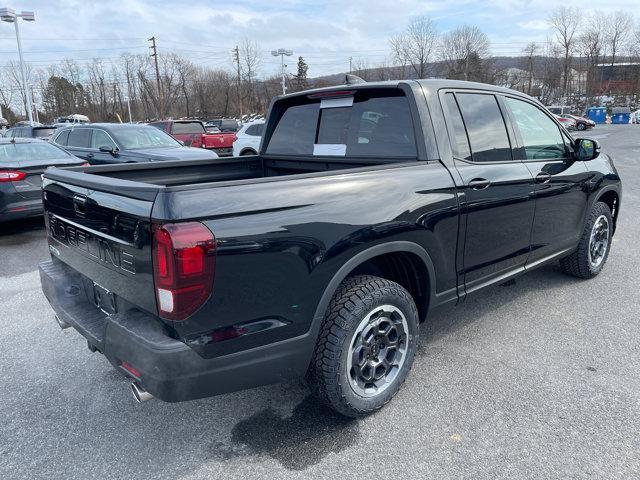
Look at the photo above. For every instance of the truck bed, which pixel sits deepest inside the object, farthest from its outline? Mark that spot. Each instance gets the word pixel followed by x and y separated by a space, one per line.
pixel 143 180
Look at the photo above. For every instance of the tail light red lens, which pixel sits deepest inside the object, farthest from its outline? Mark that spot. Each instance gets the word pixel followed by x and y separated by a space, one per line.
pixel 11 176
pixel 183 266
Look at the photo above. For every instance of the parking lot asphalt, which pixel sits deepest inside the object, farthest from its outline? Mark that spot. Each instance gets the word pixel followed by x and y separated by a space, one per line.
pixel 536 379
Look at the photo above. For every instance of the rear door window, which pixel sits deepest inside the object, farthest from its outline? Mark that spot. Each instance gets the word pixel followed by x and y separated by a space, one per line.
pixel 485 127
pixel 368 124
pixel 459 140
pixel 79 137
pixel 187 128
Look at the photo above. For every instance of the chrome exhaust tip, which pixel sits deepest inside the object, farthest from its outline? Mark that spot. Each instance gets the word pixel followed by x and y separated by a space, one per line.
pixel 139 393
pixel 61 323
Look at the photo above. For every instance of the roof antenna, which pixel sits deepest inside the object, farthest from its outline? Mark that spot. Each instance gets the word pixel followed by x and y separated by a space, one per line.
pixel 351 79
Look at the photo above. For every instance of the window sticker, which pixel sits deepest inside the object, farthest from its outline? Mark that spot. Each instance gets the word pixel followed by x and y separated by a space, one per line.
pixel 332 149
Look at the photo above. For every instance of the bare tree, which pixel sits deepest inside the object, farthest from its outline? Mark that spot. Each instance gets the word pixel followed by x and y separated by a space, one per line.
pixel 415 47
pixel 565 22
pixel 592 47
pixel 619 26
pixel 250 61
pixel 529 53
pixel 463 51
pixel 15 80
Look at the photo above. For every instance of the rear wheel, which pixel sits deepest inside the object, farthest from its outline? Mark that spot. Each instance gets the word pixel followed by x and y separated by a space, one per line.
pixel 593 250
pixel 248 152
pixel 366 345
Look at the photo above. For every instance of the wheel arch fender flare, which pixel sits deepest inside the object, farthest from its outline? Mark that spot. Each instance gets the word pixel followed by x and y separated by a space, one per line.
pixel 602 192
pixel 367 254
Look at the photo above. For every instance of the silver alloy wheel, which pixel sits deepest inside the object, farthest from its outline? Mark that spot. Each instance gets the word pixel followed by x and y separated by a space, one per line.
pixel 599 241
pixel 377 351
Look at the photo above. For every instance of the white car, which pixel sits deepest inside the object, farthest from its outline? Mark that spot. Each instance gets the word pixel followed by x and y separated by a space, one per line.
pixel 248 141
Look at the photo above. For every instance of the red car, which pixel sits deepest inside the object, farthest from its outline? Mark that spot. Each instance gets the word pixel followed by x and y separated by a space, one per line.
pixel 193 134
pixel 581 122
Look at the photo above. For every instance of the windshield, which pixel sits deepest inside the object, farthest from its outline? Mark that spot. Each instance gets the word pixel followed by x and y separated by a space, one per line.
pixel 17 152
pixel 143 136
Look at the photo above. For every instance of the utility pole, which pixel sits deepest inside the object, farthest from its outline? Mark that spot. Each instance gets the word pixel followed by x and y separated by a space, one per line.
pixel 155 59
pixel 350 60
pixel 236 58
pixel 35 105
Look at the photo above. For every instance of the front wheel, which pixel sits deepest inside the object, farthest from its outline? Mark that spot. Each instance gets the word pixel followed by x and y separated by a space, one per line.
pixel 581 126
pixel 593 250
pixel 366 346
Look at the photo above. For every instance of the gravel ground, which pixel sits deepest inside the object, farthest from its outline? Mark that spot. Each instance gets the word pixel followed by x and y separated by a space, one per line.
pixel 537 379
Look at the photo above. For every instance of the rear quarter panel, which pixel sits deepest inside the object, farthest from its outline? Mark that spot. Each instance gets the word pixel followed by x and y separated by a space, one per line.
pixel 281 242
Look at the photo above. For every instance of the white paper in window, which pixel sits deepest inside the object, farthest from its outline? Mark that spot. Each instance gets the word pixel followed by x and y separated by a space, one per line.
pixel 333 149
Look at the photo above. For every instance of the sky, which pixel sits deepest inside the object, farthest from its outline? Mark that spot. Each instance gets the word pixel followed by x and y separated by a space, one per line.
pixel 325 33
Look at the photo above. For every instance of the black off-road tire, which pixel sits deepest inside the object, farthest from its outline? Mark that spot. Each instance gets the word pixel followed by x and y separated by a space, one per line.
pixel 354 299
pixel 577 264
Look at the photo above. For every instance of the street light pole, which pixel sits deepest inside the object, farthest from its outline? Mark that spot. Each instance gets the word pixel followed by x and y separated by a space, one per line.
pixel 282 52
pixel 10 16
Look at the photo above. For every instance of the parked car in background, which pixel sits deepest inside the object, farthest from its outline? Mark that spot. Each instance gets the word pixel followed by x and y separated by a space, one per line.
pixel 224 124
pixel 74 118
pixel 559 109
pixel 581 122
pixel 192 133
pixel 22 162
pixel 248 141
pixel 319 257
pixel 43 132
pixel 635 117
pixel 100 143
pixel 568 123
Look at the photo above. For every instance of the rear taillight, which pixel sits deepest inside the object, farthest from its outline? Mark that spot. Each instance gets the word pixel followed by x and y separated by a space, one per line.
pixel 11 176
pixel 183 267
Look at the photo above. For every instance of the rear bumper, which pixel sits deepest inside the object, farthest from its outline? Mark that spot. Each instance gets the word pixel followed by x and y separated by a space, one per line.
pixel 169 369
pixel 13 207
pixel 223 151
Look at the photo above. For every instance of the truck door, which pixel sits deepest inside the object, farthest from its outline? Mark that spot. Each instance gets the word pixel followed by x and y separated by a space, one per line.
pixel 561 182
pixel 497 200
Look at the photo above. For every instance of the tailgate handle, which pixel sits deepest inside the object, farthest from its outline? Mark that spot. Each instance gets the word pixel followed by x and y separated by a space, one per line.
pixel 80 204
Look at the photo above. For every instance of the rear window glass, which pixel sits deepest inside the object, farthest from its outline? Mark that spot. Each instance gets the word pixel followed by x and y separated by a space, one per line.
pixel 485 127
pixel 43 132
pixel 187 127
pixel 79 137
pixel 365 125
pixel 22 152
pixel 255 130
pixel 229 126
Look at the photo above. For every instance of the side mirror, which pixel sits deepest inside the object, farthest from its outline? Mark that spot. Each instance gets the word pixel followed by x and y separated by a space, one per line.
pixel 108 149
pixel 586 149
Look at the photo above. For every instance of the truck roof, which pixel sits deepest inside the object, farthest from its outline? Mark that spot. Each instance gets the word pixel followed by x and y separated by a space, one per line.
pixel 431 83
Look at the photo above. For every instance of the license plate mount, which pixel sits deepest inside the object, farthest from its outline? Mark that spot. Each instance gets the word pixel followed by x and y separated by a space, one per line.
pixel 104 299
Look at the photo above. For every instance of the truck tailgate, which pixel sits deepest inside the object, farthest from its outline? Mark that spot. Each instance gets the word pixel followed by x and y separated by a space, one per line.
pixel 107 239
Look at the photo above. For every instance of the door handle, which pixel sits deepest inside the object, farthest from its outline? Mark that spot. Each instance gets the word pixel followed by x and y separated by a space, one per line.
pixel 479 183
pixel 543 177
pixel 90 155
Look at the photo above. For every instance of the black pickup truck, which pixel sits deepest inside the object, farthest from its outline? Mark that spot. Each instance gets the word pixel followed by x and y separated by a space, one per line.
pixel 368 207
